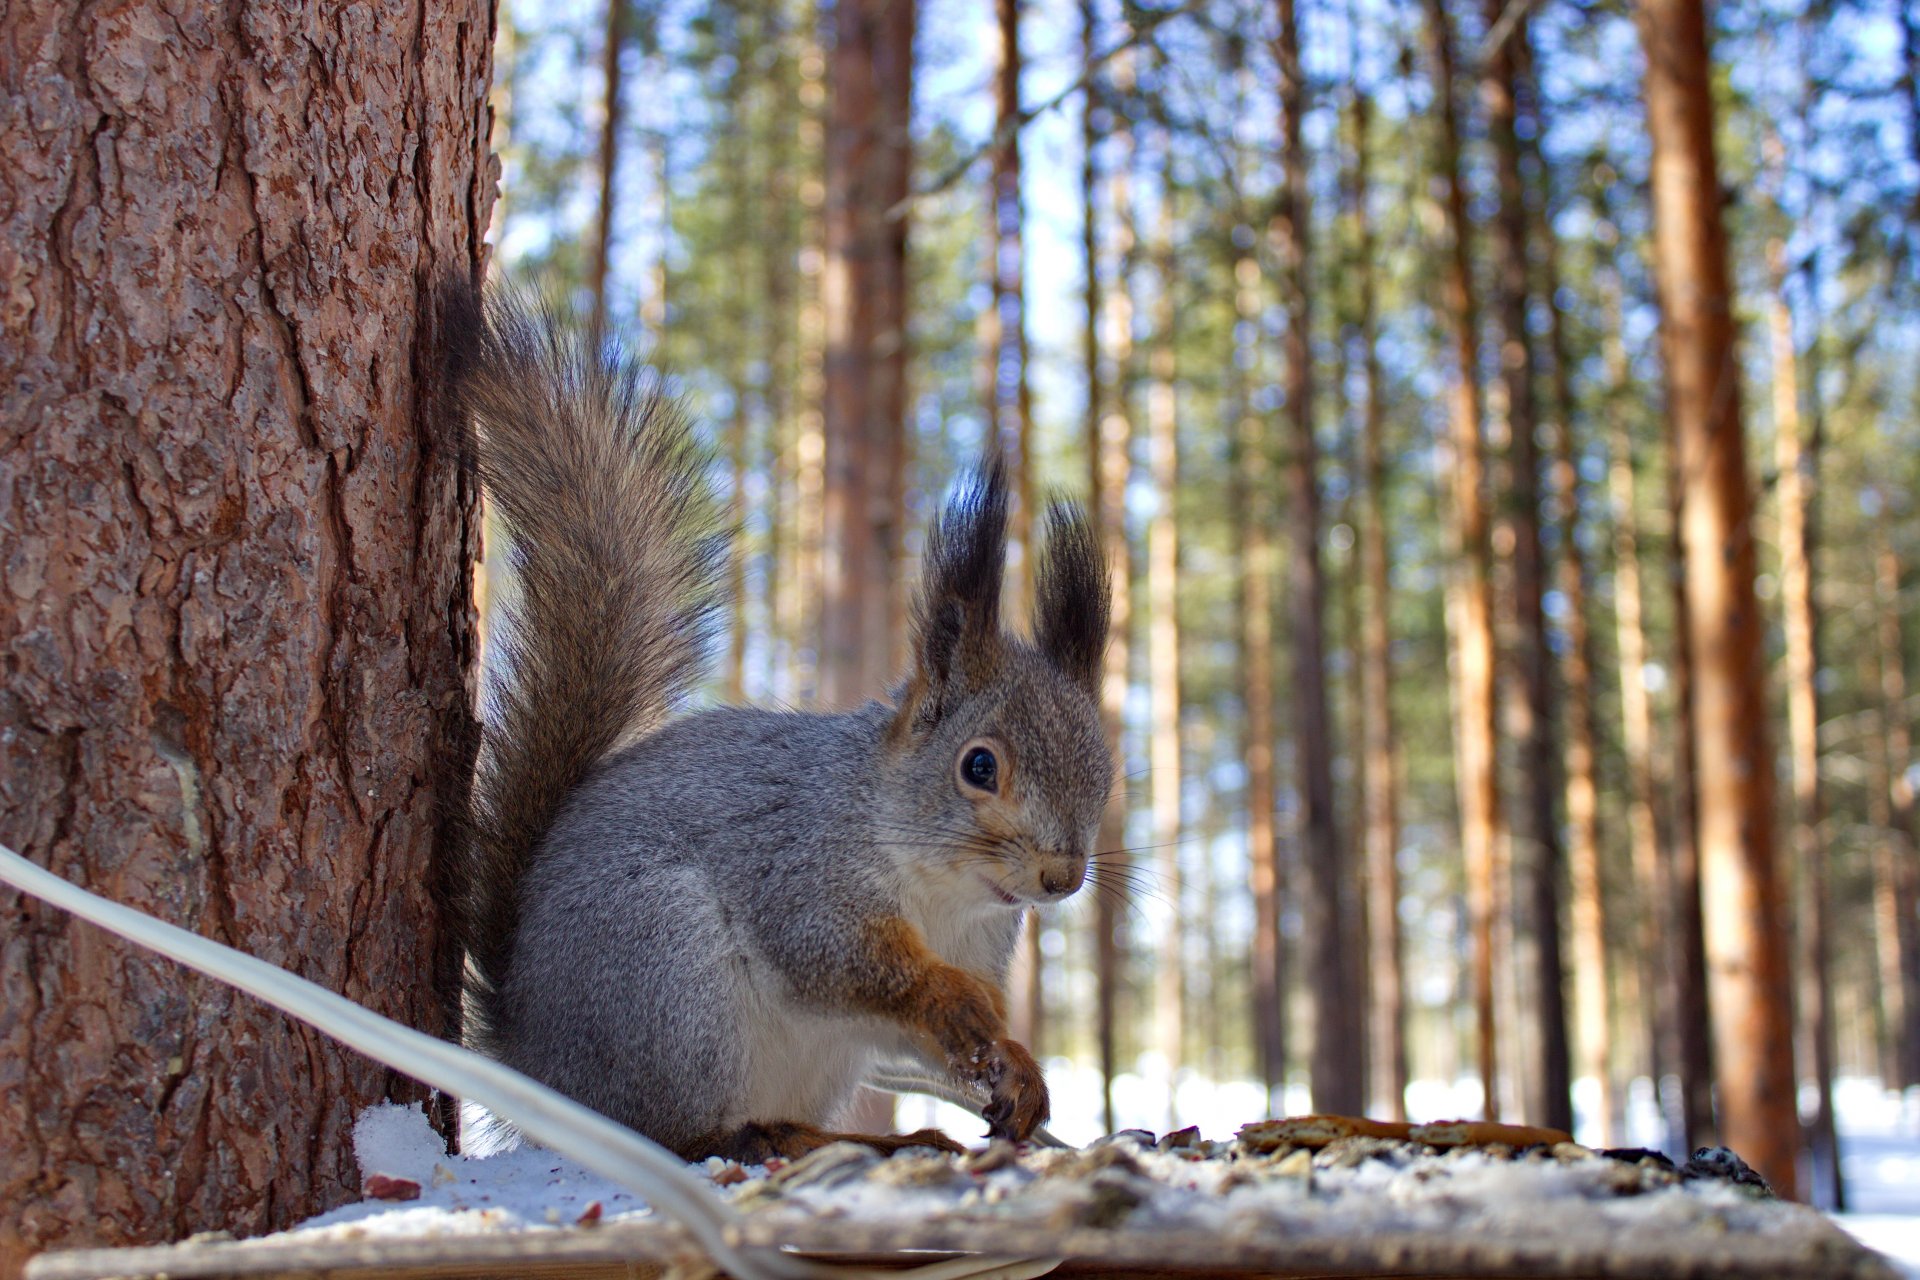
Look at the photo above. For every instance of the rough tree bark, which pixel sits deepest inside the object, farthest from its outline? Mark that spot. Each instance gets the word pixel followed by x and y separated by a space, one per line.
pixel 237 629
pixel 1743 907
pixel 864 305
pixel 1470 614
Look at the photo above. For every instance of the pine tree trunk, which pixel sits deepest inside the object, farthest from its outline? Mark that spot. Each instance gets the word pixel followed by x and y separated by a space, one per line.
pixel 613 44
pixel 1010 408
pixel 1898 865
pixel 1693 1040
pixel 1253 538
pixel 1387 1034
pixel 1652 930
pixel 1593 1013
pixel 238 627
pixel 1337 1081
pixel 1798 483
pixel 1535 848
pixel 1112 474
pixel 864 305
pixel 1471 611
pixel 1163 643
pixel 1743 907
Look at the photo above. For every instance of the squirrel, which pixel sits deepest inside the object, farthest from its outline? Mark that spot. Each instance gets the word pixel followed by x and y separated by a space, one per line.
pixel 710 926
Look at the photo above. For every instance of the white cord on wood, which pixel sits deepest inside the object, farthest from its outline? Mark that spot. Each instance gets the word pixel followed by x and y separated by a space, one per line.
pixel 549 1118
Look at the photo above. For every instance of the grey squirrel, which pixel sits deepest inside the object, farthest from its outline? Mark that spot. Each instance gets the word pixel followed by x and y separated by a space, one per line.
pixel 709 927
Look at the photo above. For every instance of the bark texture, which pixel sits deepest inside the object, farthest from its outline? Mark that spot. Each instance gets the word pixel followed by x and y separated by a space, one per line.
pixel 1743 907
pixel 236 625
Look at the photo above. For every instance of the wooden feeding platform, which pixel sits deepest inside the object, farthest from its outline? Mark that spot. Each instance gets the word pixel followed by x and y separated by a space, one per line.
pixel 1282 1199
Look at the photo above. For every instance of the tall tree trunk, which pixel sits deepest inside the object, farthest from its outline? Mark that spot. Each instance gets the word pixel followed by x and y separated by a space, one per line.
pixel 1010 409
pixel 1112 464
pixel 1898 865
pixel 863 300
pixel 1253 512
pixel 1471 613
pixel 1163 640
pixel 1743 905
pixel 1536 844
pixel 1652 930
pixel 613 44
pixel 1797 486
pixel 1387 1034
pixel 1593 1008
pixel 864 303
pixel 238 628
pixel 1680 879
pixel 1338 1084
pixel 1887 993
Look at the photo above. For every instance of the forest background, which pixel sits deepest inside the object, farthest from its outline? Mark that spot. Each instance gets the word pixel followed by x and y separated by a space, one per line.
pixel 1344 319
pixel 1499 419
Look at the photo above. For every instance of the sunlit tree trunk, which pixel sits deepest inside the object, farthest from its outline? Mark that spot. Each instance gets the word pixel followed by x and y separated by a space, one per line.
pixel 864 300
pixel 1742 902
pixel 1387 1038
pixel 1471 611
pixel 1163 639
pixel 237 618
pixel 612 120
pixel 1535 846
pixel 1112 474
pixel 1798 465
pixel 1898 865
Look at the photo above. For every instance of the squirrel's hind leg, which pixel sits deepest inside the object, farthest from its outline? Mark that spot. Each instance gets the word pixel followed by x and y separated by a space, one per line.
pixel 756 1142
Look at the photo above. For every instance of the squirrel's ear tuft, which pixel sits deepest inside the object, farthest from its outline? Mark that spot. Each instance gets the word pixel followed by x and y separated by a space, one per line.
pixel 956 617
pixel 1071 600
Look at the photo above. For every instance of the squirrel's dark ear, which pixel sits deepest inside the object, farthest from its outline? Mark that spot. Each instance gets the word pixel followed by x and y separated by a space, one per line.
pixel 1071 600
pixel 956 617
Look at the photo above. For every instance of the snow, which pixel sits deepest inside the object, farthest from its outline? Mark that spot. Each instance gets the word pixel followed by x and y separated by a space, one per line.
pixel 529 1188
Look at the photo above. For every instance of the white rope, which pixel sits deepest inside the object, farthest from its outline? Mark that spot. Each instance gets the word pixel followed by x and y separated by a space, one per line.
pixel 549 1118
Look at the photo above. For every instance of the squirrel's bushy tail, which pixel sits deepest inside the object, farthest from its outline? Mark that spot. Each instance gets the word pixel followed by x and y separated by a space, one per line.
pixel 616 552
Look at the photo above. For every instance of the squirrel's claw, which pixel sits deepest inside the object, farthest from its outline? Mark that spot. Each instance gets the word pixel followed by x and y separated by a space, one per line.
pixel 1020 1103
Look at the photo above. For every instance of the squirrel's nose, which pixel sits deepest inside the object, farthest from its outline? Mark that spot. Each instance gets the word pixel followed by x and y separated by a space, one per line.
pixel 1061 880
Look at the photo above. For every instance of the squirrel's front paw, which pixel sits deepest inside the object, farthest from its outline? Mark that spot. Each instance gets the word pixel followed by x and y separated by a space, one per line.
pixel 1019 1104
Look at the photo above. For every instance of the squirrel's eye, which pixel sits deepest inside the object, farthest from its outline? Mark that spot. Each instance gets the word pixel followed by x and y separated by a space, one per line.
pixel 980 769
